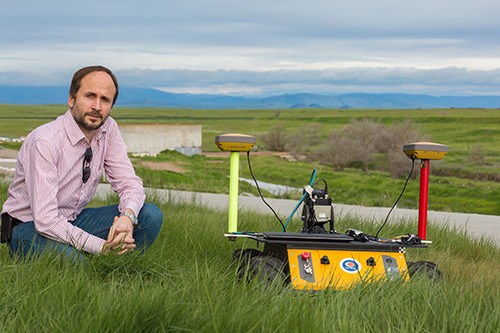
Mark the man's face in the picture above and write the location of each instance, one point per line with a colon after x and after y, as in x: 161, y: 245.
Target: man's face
x: 93, y: 102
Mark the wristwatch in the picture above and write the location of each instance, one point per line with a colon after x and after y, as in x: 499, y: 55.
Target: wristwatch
x: 132, y: 217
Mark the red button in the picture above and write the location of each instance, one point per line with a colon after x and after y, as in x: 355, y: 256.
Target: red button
x: 306, y: 255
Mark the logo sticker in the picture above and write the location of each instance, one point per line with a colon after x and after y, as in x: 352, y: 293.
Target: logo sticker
x: 350, y: 265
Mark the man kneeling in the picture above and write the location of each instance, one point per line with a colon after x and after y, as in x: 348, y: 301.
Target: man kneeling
x: 57, y: 173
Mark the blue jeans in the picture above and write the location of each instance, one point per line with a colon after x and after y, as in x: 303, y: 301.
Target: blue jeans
x: 26, y: 242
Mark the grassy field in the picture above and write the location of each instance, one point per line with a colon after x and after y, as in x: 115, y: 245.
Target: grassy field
x: 466, y: 180
x: 460, y: 129
x: 187, y: 281
x: 350, y: 186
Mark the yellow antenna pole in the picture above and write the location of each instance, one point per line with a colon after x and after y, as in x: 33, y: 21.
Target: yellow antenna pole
x: 235, y: 143
x: 233, y: 192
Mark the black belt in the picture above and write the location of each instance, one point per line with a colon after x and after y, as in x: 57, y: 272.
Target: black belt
x: 8, y: 223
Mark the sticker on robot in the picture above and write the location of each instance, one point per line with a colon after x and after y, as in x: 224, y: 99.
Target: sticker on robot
x: 350, y: 265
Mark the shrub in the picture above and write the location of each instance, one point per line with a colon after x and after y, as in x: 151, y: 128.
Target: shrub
x: 477, y: 155
x: 275, y: 139
x: 363, y: 142
x: 303, y: 141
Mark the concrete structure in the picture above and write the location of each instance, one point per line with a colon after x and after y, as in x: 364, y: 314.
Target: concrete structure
x: 8, y: 159
x: 152, y: 139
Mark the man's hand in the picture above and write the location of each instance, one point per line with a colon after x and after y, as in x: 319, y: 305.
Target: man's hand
x: 120, y: 236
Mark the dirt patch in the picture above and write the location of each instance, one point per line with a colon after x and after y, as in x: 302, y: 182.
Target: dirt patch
x: 286, y: 155
x: 169, y: 166
x: 258, y: 153
x: 293, y: 158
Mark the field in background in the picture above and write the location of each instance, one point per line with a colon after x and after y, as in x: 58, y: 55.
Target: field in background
x: 460, y: 129
x: 350, y: 186
x: 468, y: 175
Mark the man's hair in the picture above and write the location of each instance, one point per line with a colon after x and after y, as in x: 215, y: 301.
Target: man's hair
x: 81, y: 73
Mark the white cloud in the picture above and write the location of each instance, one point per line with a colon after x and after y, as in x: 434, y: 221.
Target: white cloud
x: 214, y: 90
x: 223, y: 45
x: 445, y: 81
x: 330, y: 81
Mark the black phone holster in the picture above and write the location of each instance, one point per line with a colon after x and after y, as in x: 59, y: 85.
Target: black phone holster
x: 8, y: 223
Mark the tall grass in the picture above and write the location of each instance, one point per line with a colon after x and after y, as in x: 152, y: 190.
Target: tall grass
x: 187, y: 281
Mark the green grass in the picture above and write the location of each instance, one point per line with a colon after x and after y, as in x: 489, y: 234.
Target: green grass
x: 187, y: 281
x: 350, y: 186
x: 461, y: 182
x: 461, y: 129
x: 458, y: 128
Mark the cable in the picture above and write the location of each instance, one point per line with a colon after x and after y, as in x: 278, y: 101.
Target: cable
x: 294, y: 210
x: 403, y: 191
x: 321, y: 179
x: 324, y: 181
x: 313, y: 176
x: 258, y: 189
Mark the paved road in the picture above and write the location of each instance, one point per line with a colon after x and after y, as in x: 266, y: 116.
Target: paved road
x: 476, y: 225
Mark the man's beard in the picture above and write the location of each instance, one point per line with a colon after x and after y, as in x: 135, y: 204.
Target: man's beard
x: 88, y: 125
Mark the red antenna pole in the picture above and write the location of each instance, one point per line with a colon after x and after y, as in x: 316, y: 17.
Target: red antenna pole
x: 424, y: 191
x: 424, y: 151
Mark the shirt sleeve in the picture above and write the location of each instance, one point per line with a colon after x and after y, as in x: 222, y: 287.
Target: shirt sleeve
x: 120, y: 173
x: 42, y: 180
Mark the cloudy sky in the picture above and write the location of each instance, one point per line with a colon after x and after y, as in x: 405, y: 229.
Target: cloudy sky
x: 261, y: 47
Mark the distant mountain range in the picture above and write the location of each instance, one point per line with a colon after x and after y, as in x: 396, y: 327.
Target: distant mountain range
x: 144, y: 97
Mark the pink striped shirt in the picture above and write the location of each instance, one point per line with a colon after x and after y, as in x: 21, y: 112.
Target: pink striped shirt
x: 48, y: 187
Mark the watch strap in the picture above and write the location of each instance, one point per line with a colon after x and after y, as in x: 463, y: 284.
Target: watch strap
x: 132, y: 217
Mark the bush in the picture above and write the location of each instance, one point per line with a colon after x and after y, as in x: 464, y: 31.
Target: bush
x: 363, y: 142
x: 477, y: 155
x: 275, y: 139
x: 303, y: 141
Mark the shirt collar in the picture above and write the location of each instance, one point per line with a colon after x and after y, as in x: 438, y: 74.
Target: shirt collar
x: 74, y: 132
